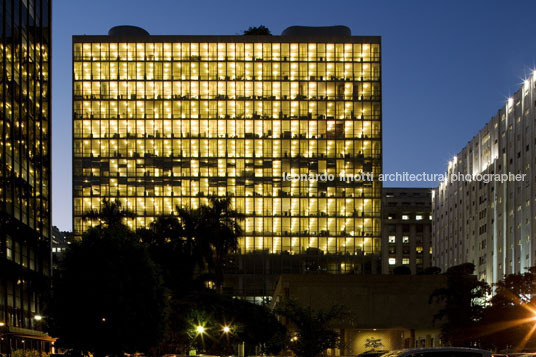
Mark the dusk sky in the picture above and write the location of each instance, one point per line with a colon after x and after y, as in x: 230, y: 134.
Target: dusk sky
x: 447, y: 66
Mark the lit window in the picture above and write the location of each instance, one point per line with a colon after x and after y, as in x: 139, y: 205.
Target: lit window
x: 392, y: 261
x: 405, y: 261
x: 419, y: 249
x: 9, y: 248
x: 418, y: 217
x: 392, y: 239
x: 405, y: 239
x: 405, y: 217
x: 430, y: 217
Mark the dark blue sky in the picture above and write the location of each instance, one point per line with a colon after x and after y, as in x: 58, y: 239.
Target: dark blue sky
x: 448, y: 66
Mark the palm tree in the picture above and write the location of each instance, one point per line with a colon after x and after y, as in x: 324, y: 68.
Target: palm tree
x: 223, y: 232
x: 110, y: 214
x: 312, y: 332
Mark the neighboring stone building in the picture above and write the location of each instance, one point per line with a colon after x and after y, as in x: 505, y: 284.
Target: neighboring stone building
x: 393, y: 308
x: 60, y: 242
x: 406, y: 229
x: 488, y: 222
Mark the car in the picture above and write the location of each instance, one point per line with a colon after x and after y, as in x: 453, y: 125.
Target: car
x: 440, y: 352
x: 372, y: 353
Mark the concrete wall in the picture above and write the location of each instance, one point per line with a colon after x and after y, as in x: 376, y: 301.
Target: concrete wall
x: 394, y: 308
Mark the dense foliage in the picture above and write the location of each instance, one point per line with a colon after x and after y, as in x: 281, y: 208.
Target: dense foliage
x: 259, y: 30
x: 106, y: 294
x: 120, y: 291
x: 310, y: 331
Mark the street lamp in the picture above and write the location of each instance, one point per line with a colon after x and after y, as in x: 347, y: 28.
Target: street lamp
x: 226, y: 329
x: 38, y: 317
x: 200, y: 329
x: 2, y: 323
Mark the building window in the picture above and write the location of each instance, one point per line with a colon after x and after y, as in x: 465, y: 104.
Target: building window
x: 392, y: 261
x: 419, y: 250
x: 9, y: 248
x: 418, y: 217
x: 405, y: 217
x: 392, y: 239
x: 405, y: 239
x: 405, y: 261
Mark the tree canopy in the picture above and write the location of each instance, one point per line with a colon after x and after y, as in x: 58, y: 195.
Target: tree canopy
x: 310, y: 330
x: 259, y: 30
x: 107, y: 293
x: 508, y: 321
x: 121, y: 291
x: 463, y: 305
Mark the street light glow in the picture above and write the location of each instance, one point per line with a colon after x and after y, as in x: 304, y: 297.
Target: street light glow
x: 200, y: 329
x: 226, y: 329
x: 2, y: 323
x: 38, y: 317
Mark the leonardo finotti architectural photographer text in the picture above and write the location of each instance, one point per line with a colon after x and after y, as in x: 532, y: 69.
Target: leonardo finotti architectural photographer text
x: 407, y: 177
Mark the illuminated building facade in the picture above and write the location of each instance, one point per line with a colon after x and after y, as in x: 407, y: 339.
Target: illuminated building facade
x: 166, y: 121
x: 25, y: 254
x: 407, y: 229
x: 491, y: 224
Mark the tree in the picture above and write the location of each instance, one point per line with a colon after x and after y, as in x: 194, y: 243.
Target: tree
x: 432, y: 271
x: 260, y: 30
x: 223, y: 229
x: 108, y: 297
x: 214, y: 311
x: 508, y: 321
x: 311, y: 333
x: 110, y: 214
x: 402, y: 270
x: 171, y: 248
x: 464, y: 302
x: 196, y: 242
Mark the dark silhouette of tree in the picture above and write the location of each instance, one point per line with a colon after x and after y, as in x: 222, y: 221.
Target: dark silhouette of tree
x: 510, y: 316
x: 402, y: 270
x: 214, y: 311
x: 432, y: 271
x: 197, y: 242
x: 223, y: 231
x: 108, y: 297
x: 310, y: 332
x: 260, y: 30
x: 110, y: 214
x: 463, y: 305
x: 169, y: 248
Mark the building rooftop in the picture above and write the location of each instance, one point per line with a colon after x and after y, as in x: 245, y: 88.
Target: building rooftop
x: 336, y: 34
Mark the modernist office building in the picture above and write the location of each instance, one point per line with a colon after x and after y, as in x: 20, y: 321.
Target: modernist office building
x: 24, y: 172
x: 406, y: 229
x: 166, y: 121
x: 492, y: 225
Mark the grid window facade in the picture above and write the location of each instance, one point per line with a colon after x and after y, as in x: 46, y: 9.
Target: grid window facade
x: 24, y: 162
x: 167, y: 121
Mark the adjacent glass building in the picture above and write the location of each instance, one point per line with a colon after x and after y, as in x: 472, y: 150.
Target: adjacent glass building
x: 166, y: 121
x: 25, y: 253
